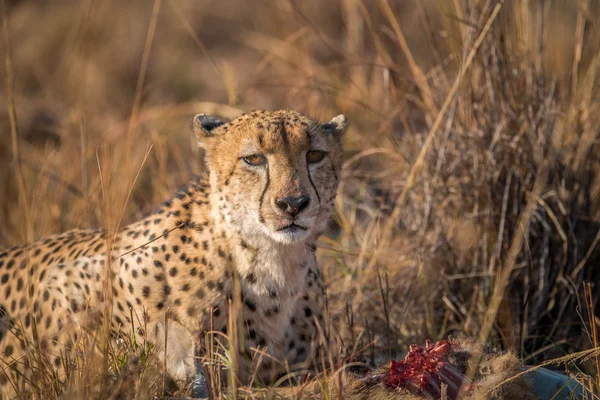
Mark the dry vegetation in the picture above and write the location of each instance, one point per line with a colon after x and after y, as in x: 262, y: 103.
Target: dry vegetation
x: 471, y: 192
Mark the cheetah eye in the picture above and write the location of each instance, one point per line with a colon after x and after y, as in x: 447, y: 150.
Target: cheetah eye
x: 315, y: 156
x: 255, y: 160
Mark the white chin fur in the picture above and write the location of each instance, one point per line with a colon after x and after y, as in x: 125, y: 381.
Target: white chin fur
x: 255, y: 229
x: 287, y: 237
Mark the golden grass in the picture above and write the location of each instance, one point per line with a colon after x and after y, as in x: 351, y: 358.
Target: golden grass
x: 470, y: 200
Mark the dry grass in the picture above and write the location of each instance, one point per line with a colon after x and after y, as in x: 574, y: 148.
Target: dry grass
x: 471, y: 197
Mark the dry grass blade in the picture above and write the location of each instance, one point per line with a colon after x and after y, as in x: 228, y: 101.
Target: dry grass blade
x: 504, y: 274
x: 587, y: 256
x: 392, y: 221
x: 12, y: 116
x: 122, y: 213
x: 193, y: 35
x: 139, y: 87
x: 418, y: 75
x: 589, y: 303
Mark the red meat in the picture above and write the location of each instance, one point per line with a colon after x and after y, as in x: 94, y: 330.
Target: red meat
x: 424, y: 370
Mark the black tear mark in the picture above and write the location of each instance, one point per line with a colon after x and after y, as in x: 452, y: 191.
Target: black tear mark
x: 313, y: 185
x: 311, y: 181
x: 262, y: 195
x: 334, y: 171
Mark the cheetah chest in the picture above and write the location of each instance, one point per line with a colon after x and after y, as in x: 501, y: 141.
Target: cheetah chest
x: 271, y: 288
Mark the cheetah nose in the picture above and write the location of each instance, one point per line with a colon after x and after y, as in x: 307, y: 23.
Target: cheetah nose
x: 292, y: 205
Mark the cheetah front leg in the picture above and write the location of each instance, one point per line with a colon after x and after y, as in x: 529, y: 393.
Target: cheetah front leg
x: 178, y: 347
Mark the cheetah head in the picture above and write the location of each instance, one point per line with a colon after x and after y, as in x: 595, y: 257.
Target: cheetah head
x: 273, y: 174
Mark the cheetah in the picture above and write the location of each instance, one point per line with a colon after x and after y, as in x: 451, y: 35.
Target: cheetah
x: 249, y: 226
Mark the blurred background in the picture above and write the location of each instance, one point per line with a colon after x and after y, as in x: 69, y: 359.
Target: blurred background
x: 470, y: 200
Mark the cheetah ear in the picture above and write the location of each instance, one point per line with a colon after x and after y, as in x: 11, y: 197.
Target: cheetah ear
x: 337, y: 125
x: 203, y: 126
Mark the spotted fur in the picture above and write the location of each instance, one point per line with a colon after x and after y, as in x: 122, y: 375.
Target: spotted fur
x: 182, y: 260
